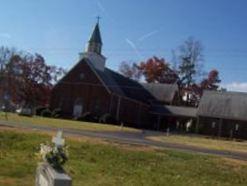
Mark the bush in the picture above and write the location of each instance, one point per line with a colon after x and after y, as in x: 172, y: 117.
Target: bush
x: 38, y: 110
x: 107, y: 119
x: 56, y: 113
x: 88, y: 117
x: 46, y: 113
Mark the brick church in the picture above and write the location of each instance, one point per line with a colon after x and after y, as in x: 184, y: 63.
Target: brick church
x: 92, y: 87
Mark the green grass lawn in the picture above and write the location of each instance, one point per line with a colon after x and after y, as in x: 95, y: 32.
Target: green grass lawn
x: 193, y: 140
x: 203, y: 142
x: 61, y: 123
x: 105, y: 164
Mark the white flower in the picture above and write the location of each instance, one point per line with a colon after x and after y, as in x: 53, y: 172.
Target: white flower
x: 44, y: 150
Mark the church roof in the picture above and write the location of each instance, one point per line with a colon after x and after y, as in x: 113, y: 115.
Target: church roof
x: 123, y: 86
x: 96, y: 36
x: 168, y: 110
x: 162, y: 92
x: 227, y: 105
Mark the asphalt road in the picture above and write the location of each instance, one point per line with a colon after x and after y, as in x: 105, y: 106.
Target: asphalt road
x: 132, y: 138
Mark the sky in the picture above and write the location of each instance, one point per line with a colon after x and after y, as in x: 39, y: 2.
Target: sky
x: 132, y: 30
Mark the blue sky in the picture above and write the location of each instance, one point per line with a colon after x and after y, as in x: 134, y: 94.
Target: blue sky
x: 132, y: 30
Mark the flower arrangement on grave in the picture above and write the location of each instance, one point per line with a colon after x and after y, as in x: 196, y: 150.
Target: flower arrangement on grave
x: 56, y: 155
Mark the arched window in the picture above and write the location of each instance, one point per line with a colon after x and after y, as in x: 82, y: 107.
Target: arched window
x: 213, y: 124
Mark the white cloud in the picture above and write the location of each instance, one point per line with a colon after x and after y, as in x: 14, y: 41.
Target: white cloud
x: 5, y: 35
x: 236, y: 86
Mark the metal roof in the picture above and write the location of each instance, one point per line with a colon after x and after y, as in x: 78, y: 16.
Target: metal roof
x: 168, y: 110
x: 228, y: 105
x: 162, y: 92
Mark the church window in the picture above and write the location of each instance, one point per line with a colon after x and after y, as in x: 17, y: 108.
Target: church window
x: 236, y: 127
x: 81, y: 76
x: 213, y: 125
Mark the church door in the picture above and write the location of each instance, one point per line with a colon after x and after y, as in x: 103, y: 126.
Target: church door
x: 78, y: 108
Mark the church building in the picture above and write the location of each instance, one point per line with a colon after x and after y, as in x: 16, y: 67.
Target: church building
x: 91, y: 87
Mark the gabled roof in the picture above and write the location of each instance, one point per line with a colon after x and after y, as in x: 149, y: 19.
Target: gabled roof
x: 118, y: 84
x: 96, y: 36
x: 128, y: 87
x: 227, y: 105
x: 162, y: 92
x: 167, y: 110
x: 123, y: 86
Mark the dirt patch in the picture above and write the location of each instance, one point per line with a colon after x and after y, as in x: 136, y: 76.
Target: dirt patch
x: 7, y: 181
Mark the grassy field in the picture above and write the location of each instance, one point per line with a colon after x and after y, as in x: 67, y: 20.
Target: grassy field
x: 94, y: 163
x: 192, y: 140
x: 60, y: 123
x: 203, y: 142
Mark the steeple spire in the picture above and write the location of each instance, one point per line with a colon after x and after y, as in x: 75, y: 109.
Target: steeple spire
x: 93, y: 49
x: 95, y: 41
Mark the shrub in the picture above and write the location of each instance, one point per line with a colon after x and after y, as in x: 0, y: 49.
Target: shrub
x: 46, y: 113
x: 39, y: 109
x: 107, y: 118
x: 56, y: 113
x: 87, y: 116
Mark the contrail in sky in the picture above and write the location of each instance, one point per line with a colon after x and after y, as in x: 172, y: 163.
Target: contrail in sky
x: 148, y: 35
x: 132, y: 44
x: 101, y: 7
x: 104, y: 11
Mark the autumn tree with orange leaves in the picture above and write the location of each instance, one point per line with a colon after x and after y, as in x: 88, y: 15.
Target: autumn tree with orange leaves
x: 153, y: 70
x: 26, y: 79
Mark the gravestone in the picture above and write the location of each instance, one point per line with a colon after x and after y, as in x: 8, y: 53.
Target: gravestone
x: 47, y: 174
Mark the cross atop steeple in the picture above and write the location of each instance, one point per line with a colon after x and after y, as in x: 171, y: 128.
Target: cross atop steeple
x: 98, y: 18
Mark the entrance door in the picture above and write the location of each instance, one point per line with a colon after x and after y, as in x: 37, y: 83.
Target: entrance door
x: 78, y: 108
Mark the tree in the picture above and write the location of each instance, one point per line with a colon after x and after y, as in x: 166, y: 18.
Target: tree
x: 154, y: 70
x: 28, y: 80
x: 212, y: 81
x: 5, y: 55
x: 190, y: 58
x: 157, y: 70
x: 195, y: 91
x: 130, y: 70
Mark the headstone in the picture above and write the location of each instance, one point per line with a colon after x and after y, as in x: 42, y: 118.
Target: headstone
x: 48, y: 176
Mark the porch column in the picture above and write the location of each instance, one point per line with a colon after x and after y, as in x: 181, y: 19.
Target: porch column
x: 220, y: 127
x: 158, y: 124
x: 118, y: 108
x: 139, y: 115
x: 197, y: 124
x: 110, y: 106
